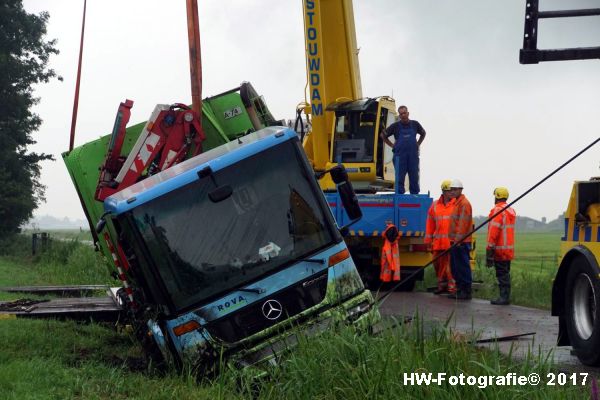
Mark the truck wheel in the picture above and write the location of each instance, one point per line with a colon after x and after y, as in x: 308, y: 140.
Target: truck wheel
x: 583, y: 311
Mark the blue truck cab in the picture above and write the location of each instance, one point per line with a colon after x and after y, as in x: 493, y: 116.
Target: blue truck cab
x: 235, y: 250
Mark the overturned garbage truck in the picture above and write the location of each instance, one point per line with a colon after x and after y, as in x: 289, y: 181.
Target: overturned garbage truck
x: 224, y: 243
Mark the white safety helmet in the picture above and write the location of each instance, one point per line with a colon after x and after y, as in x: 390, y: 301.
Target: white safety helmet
x: 456, y: 184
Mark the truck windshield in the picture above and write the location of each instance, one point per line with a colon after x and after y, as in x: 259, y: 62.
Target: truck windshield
x: 202, y: 249
x: 354, y: 137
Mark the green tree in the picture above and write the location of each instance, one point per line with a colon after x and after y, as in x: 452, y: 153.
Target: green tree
x: 24, y: 55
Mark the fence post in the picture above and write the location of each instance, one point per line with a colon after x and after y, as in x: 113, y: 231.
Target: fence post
x: 39, y: 242
x: 33, y: 243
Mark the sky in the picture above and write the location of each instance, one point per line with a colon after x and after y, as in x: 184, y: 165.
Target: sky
x: 489, y: 120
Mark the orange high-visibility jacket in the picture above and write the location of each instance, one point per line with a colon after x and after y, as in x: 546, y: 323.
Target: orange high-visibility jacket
x: 501, y: 233
x: 461, y: 222
x: 437, y: 227
x: 390, y: 259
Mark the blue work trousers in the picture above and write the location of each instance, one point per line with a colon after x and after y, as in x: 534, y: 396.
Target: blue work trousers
x: 407, y: 161
x: 460, y: 265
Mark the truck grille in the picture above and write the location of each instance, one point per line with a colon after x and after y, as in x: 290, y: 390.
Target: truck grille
x: 270, y: 311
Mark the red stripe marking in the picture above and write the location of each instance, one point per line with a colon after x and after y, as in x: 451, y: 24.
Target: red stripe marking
x: 376, y: 204
x: 409, y: 205
x: 122, y: 257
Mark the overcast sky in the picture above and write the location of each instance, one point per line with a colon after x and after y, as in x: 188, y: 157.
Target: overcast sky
x: 489, y: 120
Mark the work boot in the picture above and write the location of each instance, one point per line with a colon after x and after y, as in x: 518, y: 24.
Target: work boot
x: 468, y: 294
x: 503, y: 299
x: 440, y: 290
x: 461, y: 294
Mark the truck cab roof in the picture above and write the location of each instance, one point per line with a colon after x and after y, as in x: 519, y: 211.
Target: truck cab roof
x: 187, y: 171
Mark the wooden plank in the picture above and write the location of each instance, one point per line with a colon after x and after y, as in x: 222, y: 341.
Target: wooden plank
x: 84, y: 308
x: 68, y: 290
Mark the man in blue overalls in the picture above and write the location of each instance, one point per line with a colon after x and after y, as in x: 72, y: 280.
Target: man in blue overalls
x: 406, y: 149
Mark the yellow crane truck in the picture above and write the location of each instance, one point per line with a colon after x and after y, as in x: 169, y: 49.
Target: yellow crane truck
x: 345, y: 130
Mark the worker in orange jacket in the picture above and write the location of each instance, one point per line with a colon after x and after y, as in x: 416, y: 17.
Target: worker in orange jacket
x: 500, y: 248
x: 437, y: 239
x: 461, y: 224
x: 390, y: 255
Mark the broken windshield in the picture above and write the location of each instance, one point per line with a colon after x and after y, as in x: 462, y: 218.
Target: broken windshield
x: 200, y: 248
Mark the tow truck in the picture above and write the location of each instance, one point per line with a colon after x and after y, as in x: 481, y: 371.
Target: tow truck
x: 576, y: 288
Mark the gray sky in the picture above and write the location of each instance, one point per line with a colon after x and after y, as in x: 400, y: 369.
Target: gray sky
x: 489, y: 120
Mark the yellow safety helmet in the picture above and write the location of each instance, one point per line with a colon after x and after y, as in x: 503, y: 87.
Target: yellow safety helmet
x: 501, y: 193
x: 446, y: 184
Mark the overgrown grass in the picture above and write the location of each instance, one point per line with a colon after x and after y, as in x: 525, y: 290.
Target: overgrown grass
x: 532, y: 270
x: 57, y: 360
x: 347, y: 365
x: 65, y: 360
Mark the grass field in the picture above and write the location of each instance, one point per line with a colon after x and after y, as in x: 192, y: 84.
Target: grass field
x: 46, y: 359
x: 65, y: 261
x: 74, y: 234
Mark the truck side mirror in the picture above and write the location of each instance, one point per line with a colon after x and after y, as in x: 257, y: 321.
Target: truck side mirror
x: 346, y: 192
x: 339, y: 174
x: 349, y: 200
x: 100, y: 225
x: 101, y: 222
x: 220, y: 193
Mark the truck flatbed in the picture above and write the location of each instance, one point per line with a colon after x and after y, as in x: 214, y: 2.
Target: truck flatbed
x: 407, y: 211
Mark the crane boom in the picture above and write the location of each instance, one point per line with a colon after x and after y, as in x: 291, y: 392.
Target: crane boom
x: 332, y: 68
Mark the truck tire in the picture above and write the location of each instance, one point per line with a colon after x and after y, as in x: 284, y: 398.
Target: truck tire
x: 582, y: 311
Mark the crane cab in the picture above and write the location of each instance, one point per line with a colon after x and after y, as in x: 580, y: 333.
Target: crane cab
x: 355, y: 143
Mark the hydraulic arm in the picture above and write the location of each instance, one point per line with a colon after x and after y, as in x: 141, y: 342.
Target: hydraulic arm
x: 168, y: 136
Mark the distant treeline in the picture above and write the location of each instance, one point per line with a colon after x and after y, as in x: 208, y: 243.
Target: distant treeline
x: 50, y: 222
x: 530, y: 224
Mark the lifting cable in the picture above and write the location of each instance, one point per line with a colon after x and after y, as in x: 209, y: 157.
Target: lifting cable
x: 382, y: 298
x: 77, y: 81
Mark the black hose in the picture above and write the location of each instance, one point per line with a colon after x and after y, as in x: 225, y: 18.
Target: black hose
x: 382, y: 298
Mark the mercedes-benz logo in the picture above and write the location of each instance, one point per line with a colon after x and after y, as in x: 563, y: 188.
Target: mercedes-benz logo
x: 272, y: 309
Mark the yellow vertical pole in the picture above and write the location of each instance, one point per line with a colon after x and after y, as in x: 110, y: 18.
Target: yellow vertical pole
x: 331, y: 66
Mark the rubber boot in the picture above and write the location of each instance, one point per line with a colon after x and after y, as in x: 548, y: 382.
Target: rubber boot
x: 440, y: 290
x: 468, y: 294
x: 503, y: 299
x: 454, y: 296
x: 461, y: 294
